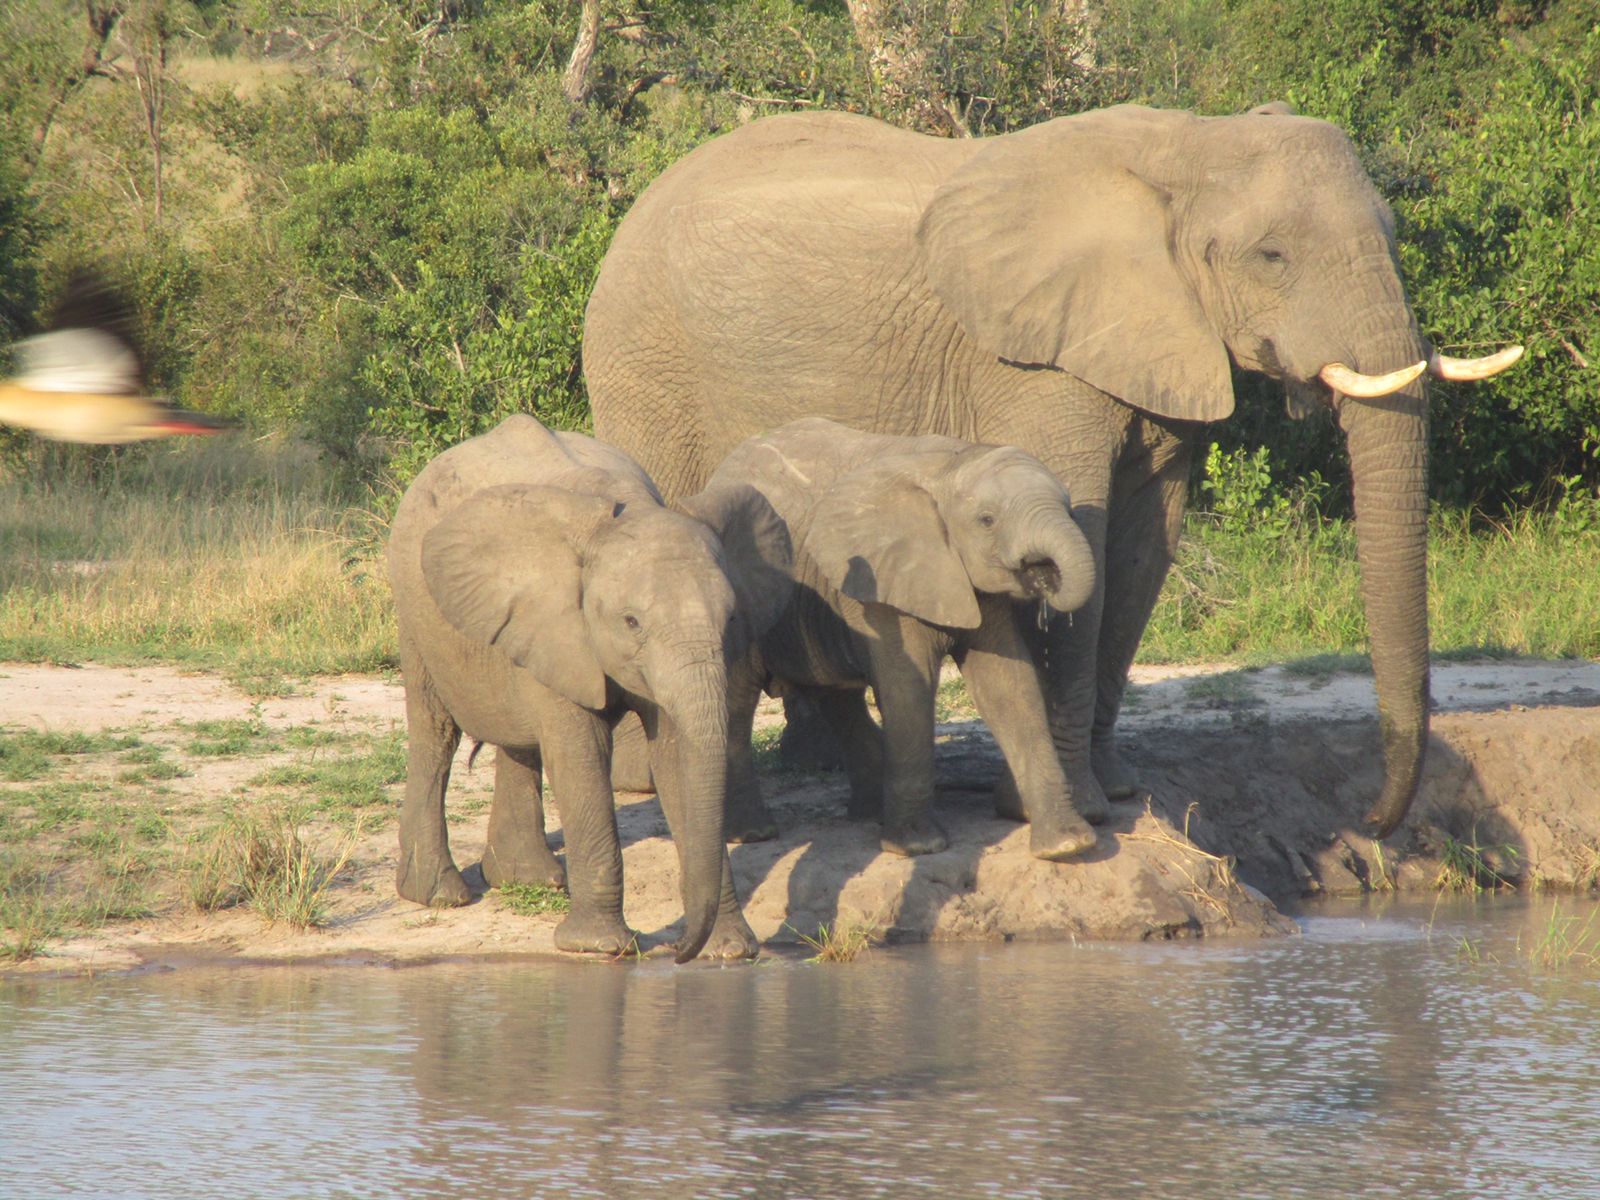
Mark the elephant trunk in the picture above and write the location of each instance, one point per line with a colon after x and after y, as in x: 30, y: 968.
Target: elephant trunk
x: 1053, y: 558
x: 1387, y: 439
x: 695, y: 708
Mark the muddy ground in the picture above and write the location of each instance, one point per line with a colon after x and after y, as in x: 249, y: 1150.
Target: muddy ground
x: 1256, y: 782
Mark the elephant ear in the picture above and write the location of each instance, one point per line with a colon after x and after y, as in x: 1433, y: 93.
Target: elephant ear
x: 1053, y: 247
x: 878, y: 537
x: 755, y: 546
x: 504, y: 569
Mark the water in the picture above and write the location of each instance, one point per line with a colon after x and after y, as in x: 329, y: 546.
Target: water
x: 1371, y: 1053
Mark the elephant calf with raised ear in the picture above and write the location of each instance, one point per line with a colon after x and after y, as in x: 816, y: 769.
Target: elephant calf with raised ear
x: 543, y: 591
x: 908, y: 550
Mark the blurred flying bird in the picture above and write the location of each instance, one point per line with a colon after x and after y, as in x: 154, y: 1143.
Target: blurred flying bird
x: 82, y: 381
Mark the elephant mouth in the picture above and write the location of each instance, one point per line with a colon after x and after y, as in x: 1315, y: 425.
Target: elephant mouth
x: 1040, y: 578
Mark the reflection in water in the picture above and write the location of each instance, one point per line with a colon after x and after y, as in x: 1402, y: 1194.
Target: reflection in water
x: 1367, y: 1054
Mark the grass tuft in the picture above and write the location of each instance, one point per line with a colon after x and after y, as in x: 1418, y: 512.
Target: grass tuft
x: 534, y: 899
x: 263, y: 860
x: 1567, y: 942
x: 841, y: 942
x: 1467, y: 866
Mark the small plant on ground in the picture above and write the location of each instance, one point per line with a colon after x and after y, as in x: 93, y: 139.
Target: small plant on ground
x: 843, y: 941
x: 534, y: 899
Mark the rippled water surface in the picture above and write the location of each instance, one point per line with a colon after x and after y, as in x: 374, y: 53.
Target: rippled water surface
x: 1378, y: 1052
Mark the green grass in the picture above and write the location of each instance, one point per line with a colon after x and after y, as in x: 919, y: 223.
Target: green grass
x: 31, y: 754
x: 1523, y: 586
x: 245, y: 557
x: 1567, y: 942
x: 952, y: 702
x: 534, y: 899
x: 115, y: 841
x: 228, y: 738
x: 347, y: 782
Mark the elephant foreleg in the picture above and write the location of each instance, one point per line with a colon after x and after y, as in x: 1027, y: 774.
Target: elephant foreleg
x: 517, y: 851
x: 999, y: 670
x: 427, y: 874
x: 1079, y: 433
x: 1146, y: 519
x: 576, y: 747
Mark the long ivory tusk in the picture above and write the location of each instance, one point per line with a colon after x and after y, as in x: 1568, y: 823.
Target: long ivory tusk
x: 1343, y: 380
x: 1353, y: 383
x: 1442, y: 366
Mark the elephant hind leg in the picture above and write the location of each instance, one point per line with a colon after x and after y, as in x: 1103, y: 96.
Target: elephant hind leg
x: 861, y: 740
x: 427, y: 874
x: 1145, y: 521
x: 747, y: 818
x: 517, y: 851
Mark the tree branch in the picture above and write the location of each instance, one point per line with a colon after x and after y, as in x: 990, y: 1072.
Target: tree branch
x: 575, y: 83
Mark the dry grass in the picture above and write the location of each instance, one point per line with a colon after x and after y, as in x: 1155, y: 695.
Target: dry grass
x: 236, y: 555
x: 1220, y: 884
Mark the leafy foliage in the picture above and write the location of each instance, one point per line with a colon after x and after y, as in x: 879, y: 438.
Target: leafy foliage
x: 379, y: 222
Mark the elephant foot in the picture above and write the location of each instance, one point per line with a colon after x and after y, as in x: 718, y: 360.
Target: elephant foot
x: 923, y: 835
x: 1061, y: 839
x: 750, y: 821
x: 433, y: 885
x: 731, y: 939
x: 1089, y: 798
x: 594, y: 933
x: 1117, y: 779
x: 528, y: 866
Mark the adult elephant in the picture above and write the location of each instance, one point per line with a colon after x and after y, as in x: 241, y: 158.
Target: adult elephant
x: 1075, y: 289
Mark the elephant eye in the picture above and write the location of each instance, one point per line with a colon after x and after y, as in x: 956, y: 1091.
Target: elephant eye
x: 632, y: 622
x: 1272, y: 254
x: 986, y: 520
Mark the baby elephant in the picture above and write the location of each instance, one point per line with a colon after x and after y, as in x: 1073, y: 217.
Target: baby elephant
x: 542, y: 591
x: 906, y: 550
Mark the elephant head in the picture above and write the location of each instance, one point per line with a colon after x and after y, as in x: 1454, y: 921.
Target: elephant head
x: 578, y: 590
x: 924, y: 531
x: 1139, y: 249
